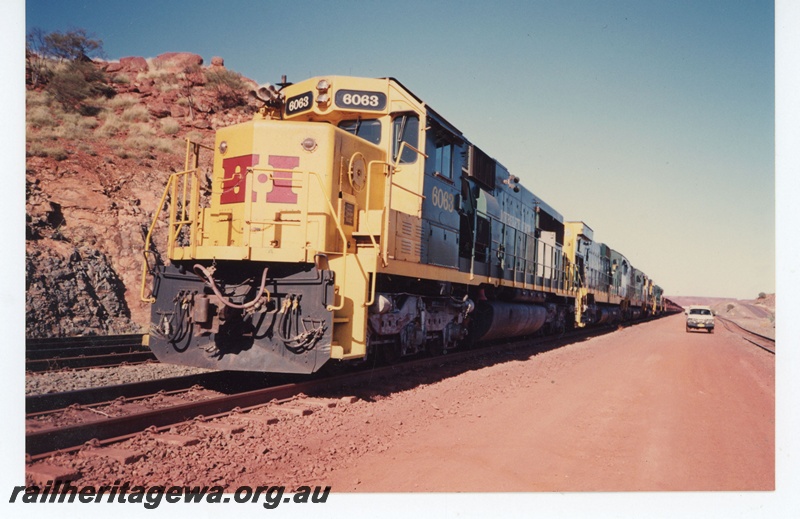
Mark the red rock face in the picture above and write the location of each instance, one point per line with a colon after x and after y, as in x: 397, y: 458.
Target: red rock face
x: 87, y: 206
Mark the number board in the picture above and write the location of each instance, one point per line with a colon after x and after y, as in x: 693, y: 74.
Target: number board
x: 360, y: 99
x: 300, y: 103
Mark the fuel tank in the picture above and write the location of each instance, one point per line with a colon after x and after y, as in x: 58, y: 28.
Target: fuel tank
x: 499, y: 320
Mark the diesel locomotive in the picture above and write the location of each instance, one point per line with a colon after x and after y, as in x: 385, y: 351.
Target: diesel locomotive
x: 348, y: 219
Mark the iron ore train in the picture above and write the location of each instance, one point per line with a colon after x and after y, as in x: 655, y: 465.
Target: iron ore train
x: 348, y: 220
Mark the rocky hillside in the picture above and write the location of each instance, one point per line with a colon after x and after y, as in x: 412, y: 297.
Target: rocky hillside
x: 94, y: 177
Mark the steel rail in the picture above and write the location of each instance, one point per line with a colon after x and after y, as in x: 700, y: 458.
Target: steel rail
x: 82, y: 351
x: 83, y: 341
x: 220, y: 381
x: 88, y: 361
x: 37, y: 404
x: 726, y: 322
x: 73, y: 436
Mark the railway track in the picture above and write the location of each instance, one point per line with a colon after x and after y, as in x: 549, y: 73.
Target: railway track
x: 85, y: 352
x: 43, y: 442
x: 46, y: 402
x: 762, y: 341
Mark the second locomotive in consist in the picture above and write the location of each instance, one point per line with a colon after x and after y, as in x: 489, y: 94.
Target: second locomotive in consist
x: 348, y: 219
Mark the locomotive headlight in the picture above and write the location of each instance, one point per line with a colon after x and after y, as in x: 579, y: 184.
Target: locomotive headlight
x: 223, y: 147
x: 323, y: 86
x: 309, y: 144
x: 323, y: 97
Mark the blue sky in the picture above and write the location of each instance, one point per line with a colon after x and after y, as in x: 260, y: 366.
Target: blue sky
x: 650, y: 121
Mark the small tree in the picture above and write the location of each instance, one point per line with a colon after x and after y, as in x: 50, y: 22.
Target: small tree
x: 230, y: 88
x: 76, y: 84
x: 74, y: 45
x: 190, y: 77
x: 762, y: 295
x: 75, y: 79
x: 37, y: 67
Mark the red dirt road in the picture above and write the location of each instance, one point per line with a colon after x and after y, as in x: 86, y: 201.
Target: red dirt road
x: 650, y: 407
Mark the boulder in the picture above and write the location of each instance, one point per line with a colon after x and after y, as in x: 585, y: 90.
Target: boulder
x: 134, y: 64
x: 179, y: 60
x: 113, y: 67
x: 159, y: 109
x: 178, y: 111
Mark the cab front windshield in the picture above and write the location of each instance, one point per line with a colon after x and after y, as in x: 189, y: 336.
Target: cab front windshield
x: 367, y: 129
x: 699, y: 311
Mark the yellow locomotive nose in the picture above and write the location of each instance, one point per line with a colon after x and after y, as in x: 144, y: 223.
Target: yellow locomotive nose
x: 259, y: 266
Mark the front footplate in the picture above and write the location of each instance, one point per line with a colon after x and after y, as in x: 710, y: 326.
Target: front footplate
x: 245, y: 317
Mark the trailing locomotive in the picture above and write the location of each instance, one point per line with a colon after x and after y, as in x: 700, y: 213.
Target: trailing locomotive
x: 348, y: 219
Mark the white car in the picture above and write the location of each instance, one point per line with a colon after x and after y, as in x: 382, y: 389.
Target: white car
x: 700, y: 318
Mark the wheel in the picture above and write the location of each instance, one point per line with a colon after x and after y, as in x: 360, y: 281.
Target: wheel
x: 389, y: 353
x: 711, y: 330
x: 435, y: 347
x: 687, y: 329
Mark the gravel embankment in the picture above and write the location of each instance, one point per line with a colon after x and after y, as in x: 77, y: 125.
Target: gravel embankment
x: 58, y: 381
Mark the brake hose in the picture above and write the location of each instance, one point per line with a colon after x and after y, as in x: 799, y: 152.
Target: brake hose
x: 208, y: 278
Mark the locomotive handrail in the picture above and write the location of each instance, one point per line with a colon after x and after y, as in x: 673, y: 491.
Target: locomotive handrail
x: 400, y: 152
x: 394, y: 168
x: 391, y: 169
x: 169, y: 190
x: 368, y: 208
x: 384, y: 209
x: 193, y: 154
x: 191, y: 167
x: 340, y: 229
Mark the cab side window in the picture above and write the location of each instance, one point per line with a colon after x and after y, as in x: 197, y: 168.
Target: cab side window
x: 405, y: 128
x: 443, y: 153
x: 443, y: 159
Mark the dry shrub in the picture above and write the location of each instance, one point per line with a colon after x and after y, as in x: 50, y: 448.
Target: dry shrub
x: 112, y: 126
x: 167, y: 145
x: 139, y: 142
x: 170, y: 126
x: 136, y: 113
x: 122, y: 102
x: 228, y: 86
x: 40, y: 117
x: 141, y: 130
x: 38, y: 149
x: 120, y: 79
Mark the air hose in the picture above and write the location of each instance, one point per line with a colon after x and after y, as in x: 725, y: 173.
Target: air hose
x: 207, y: 275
